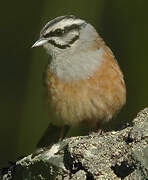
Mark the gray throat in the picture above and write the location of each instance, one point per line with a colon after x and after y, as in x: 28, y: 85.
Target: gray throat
x: 76, y: 66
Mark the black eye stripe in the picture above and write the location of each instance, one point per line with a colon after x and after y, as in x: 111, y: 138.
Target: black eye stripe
x: 73, y: 26
x: 60, y: 32
x: 57, y: 33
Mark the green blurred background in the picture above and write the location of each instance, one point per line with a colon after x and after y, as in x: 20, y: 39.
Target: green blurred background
x: 123, y: 25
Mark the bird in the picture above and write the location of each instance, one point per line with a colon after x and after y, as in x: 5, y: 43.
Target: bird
x: 83, y: 80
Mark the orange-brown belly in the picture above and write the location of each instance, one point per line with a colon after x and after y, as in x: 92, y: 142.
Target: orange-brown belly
x: 98, y: 97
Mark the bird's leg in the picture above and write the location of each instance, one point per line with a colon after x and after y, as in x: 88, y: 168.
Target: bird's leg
x: 63, y: 132
x: 99, y: 130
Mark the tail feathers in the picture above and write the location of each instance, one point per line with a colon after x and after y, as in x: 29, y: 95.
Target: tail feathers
x: 52, y: 135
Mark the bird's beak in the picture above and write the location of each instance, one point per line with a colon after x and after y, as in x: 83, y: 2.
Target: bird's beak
x: 40, y: 42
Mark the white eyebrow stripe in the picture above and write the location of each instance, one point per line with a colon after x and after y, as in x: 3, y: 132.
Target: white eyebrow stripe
x: 67, y: 22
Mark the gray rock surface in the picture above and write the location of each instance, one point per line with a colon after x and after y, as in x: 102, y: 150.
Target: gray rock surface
x: 112, y: 155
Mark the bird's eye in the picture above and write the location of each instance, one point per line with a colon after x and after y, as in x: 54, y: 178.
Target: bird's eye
x: 46, y: 35
x: 58, y: 32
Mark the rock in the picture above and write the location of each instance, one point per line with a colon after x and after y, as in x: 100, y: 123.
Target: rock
x: 112, y: 155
